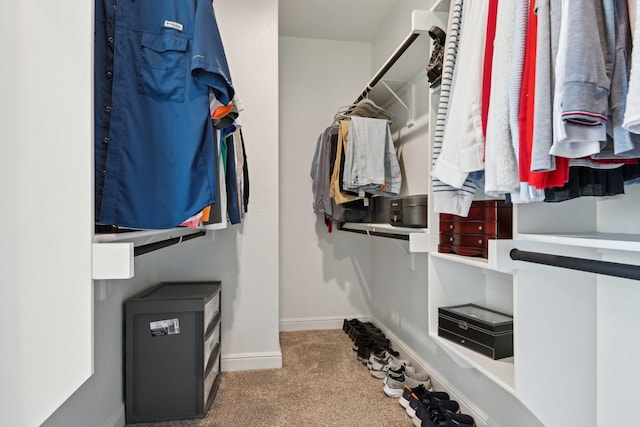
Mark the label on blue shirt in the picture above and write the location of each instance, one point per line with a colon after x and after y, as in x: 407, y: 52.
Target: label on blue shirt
x: 175, y: 25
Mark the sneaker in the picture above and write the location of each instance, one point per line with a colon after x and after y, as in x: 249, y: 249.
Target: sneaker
x: 408, y: 391
x: 393, y: 369
x: 434, y: 413
x: 452, y: 420
x: 365, y: 351
x: 428, y: 398
x: 382, y: 374
x: 394, y: 385
x: 459, y: 420
x: 378, y: 360
x: 348, y: 325
x: 371, y: 340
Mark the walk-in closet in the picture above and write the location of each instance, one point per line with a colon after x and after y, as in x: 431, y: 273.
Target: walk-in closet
x: 563, y: 272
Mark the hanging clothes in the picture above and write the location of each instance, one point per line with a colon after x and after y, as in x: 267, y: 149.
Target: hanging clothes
x: 245, y: 179
x: 322, y: 168
x: 337, y: 191
x: 448, y: 199
x: 492, y: 18
x: 463, y: 142
x: 231, y: 177
x: 501, y: 165
x: 632, y: 113
x: 621, y: 143
x: 371, y: 163
x: 545, y: 170
x: 154, y: 66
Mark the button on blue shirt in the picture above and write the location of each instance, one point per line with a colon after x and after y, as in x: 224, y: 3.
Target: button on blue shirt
x: 155, y: 63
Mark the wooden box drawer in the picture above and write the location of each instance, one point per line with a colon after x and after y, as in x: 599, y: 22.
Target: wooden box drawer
x: 470, y: 227
x: 464, y: 244
x: 484, y: 210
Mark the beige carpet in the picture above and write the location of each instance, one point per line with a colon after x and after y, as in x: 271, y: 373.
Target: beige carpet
x: 321, y: 383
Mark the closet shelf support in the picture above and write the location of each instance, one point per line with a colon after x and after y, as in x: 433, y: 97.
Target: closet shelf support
x: 150, y: 247
x: 376, y: 233
x: 419, y: 25
x: 114, y: 260
x: 395, y: 95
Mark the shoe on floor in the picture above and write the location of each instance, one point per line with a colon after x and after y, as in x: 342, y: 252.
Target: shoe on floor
x: 407, y: 391
x: 394, y: 385
x: 459, y: 420
x: 396, y: 371
x: 427, y: 399
x: 378, y: 361
x: 452, y: 420
x: 435, y: 412
x: 384, y: 372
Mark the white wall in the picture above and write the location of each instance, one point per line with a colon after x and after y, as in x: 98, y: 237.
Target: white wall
x: 396, y: 27
x: 46, y: 195
x: 100, y: 401
x: 245, y: 257
x: 324, y: 276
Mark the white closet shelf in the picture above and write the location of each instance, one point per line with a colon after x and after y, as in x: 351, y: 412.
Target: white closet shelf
x: 461, y: 259
x: 418, y: 237
x: 498, y: 260
x: 615, y: 241
x: 113, y: 253
x: 150, y: 235
x: 500, y: 371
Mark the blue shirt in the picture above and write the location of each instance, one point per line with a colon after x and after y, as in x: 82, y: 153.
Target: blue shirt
x: 155, y: 63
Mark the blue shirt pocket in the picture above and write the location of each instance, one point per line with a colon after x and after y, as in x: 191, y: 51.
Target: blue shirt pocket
x: 162, y: 68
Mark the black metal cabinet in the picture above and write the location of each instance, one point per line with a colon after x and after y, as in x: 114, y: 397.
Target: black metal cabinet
x: 172, y: 351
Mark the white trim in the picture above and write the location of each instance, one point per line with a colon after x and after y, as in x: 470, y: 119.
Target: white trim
x: 117, y: 418
x: 250, y: 361
x: 315, y: 323
x: 437, y: 380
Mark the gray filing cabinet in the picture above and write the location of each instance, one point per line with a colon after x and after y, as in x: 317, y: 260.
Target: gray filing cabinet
x: 172, y: 351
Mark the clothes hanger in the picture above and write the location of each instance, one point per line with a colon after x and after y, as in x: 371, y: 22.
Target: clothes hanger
x: 347, y: 111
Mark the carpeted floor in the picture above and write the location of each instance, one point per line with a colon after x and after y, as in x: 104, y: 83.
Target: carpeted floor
x: 321, y: 383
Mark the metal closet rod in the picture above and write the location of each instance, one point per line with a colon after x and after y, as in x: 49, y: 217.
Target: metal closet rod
x: 387, y: 65
x: 627, y: 271
x: 376, y: 233
x: 150, y: 247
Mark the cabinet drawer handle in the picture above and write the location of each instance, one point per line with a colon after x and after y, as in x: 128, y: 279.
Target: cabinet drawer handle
x: 480, y: 227
x: 463, y: 325
x: 479, y: 242
x: 451, y: 239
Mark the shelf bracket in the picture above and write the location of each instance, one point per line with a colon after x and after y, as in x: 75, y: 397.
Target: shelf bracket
x: 112, y: 261
x: 395, y: 95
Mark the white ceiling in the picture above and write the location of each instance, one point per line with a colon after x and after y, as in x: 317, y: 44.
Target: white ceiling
x: 346, y: 20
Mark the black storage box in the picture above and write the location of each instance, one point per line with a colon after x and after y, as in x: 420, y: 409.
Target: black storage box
x: 409, y: 211
x: 486, y: 331
x: 172, y: 351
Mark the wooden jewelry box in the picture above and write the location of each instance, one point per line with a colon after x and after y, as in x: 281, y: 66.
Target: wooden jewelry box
x: 487, y: 219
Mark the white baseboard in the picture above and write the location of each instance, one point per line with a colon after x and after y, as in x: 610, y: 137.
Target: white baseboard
x: 250, y: 361
x: 437, y: 380
x: 117, y: 418
x: 315, y: 323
